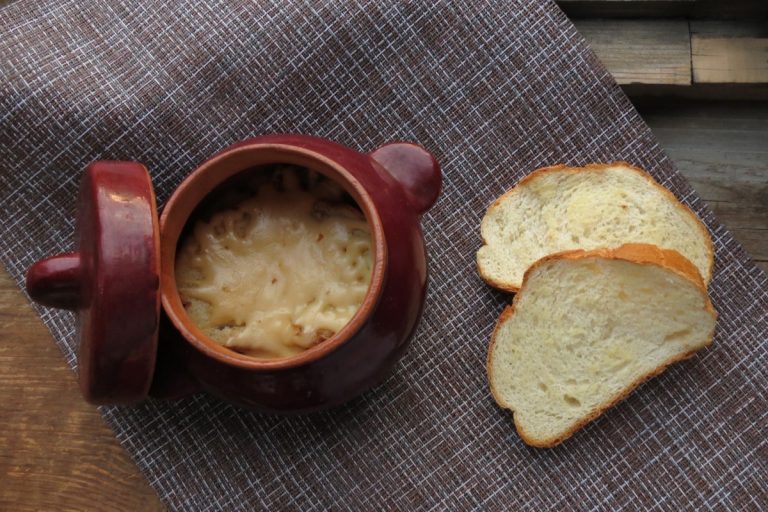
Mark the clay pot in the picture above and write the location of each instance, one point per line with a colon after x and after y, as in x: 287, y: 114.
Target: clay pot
x: 123, y: 270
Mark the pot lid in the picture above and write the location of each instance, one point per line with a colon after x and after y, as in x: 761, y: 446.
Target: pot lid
x: 111, y: 281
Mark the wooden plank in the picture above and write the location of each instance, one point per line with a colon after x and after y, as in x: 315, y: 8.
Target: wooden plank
x: 730, y: 60
x: 56, y: 452
x: 730, y: 29
x: 754, y: 238
x: 729, y: 52
x: 722, y: 149
x: 638, y: 52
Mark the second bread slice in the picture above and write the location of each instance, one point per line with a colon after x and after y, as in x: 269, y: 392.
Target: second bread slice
x: 564, y: 208
x: 586, y: 328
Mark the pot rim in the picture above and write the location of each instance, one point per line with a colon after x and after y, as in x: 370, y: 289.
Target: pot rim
x: 296, y: 155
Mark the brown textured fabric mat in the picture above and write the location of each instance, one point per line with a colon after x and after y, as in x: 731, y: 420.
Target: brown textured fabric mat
x: 494, y: 89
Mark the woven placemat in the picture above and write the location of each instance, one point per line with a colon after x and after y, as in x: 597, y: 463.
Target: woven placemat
x: 494, y: 89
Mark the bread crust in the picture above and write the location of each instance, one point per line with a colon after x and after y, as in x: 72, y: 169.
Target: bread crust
x: 509, y: 287
x: 644, y: 254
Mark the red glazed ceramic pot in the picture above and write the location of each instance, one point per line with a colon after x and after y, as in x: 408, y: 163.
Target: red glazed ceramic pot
x: 120, y: 355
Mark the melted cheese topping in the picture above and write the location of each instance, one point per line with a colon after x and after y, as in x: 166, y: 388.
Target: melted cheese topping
x: 277, y: 273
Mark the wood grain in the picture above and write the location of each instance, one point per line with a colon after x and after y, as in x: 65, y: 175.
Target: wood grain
x: 641, y: 52
x: 722, y: 149
x: 729, y: 52
x: 56, y: 453
x: 664, y: 53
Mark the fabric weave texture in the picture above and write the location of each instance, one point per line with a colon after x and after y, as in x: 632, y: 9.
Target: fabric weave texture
x: 494, y: 90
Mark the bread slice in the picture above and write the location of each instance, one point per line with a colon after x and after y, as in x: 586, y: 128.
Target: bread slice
x: 563, y: 208
x: 588, y: 327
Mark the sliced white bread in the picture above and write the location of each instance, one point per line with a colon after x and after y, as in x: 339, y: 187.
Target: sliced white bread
x: 562, y: 208
x: 588, y: 327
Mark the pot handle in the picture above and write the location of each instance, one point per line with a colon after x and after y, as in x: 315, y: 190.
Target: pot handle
x: 415, y: 169
x: 56, y: 281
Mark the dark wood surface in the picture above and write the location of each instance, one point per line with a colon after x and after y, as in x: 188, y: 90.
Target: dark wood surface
x: 722, y: 148
x: 701, y: 9
x: 638, y: 51
x: 680, y: 52
x: 56, y: 453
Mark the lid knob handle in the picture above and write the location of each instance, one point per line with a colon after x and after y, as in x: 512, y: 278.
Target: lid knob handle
x: 56, y: 281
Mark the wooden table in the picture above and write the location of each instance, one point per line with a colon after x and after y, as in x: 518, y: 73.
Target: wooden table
x: 56, y: 453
